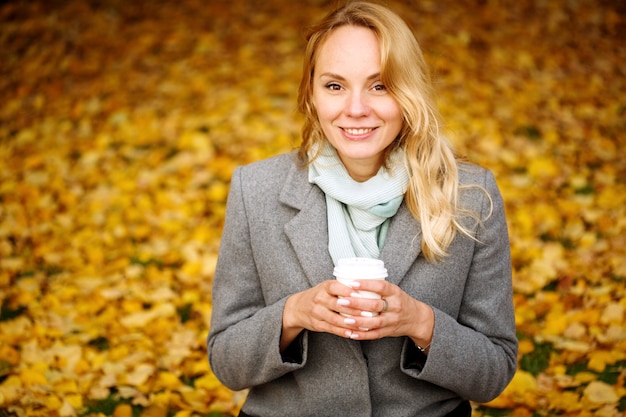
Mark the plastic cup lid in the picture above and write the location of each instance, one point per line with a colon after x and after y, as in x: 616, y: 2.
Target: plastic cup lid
x: 360, y: 268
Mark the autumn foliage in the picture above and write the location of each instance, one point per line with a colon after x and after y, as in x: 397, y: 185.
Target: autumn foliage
x: 121, y: 122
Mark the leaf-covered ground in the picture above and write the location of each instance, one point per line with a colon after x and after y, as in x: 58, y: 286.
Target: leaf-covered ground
x: 121, y: 122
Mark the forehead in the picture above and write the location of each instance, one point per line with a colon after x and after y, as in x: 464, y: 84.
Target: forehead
x: 349, y: 46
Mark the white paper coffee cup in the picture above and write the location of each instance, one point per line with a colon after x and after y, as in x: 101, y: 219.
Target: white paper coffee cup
x: 351, y: 269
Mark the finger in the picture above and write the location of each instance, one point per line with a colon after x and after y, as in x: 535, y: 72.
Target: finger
x: 328, y: 292
x: 329, y: 322
x: 378, y: 286
x: 338, y: 323
x: 359, y: 306
x: 361, y: 334
x: 337, y: 288
x: 325, y: 327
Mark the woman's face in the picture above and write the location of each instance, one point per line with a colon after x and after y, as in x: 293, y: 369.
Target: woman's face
x: 358, y: 115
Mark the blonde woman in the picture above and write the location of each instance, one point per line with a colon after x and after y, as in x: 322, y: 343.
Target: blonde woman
x: 373, y: 178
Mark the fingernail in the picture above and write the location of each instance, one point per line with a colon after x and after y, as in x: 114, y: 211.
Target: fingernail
x: 368, y: 314
x: 354, y: 336
x: 343, y: 302
x: 348, y: 333
x: 355, y: 295
x: 349, y: 321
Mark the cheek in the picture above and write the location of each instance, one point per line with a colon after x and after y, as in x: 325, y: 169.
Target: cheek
x: 327, y: 108
x: 392, y: 109
x: 393, y: 115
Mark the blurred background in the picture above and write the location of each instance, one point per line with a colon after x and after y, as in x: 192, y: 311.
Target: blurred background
x: 122, y: 121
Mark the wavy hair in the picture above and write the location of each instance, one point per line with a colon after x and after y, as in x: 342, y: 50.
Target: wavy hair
x: 433, y: 191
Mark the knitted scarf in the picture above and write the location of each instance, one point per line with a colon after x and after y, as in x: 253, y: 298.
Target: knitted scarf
x: 358, y: 212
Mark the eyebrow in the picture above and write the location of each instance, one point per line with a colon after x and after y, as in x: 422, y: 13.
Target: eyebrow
x: 341, y: 78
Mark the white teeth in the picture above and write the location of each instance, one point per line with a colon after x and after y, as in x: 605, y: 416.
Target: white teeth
x: 358, y: 131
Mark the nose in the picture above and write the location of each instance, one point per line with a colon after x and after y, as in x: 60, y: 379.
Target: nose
x: 356, y: 105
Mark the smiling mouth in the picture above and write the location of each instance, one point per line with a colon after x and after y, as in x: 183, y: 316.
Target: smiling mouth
x: 358, y: 132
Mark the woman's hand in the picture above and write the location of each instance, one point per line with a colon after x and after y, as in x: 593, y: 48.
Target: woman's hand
x: 317, y: 309
x: 399, y: 314
x: 333, y: 307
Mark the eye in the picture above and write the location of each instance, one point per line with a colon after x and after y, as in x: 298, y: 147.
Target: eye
x: 333, y: 86
x: 379, y: 87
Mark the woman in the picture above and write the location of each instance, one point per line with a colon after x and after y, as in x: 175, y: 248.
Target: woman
x: 373, y: 178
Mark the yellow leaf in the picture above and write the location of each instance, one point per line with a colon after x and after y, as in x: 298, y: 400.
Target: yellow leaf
x: 75, y: 400
x: 196, y: 398
x: 123, y: 410
x: 599, y: 392
x: 599, y: 359
x: 52, y: 402
x: 585, y: 377
x: 142, y: 318
x: 32, y: 377
x: 154, y: 411
x: 11, y: 264
x: 140, y: 374
x: 208, y: 382
x: 68, y: 409
x: 556, y: 323
x: 218, y: 191
x: 167, y: 381
x: 526, y: 346
x: 521, y: 390
x: 10, y: 392
x: 575, y: 330
x: 8, y: 353
x: 543, y: 167
x: 66, y: 386
x: 568, y: 401
x: 183, y: 413
x: 613, y: 313
x: 196, y: 141
x: 163, y: 398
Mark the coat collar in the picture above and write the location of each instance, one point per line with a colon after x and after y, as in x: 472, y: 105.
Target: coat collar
x: 308, y: 231
x: 402, y: 245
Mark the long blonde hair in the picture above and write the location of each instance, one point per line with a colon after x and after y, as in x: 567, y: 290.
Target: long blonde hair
x: 433, y: 190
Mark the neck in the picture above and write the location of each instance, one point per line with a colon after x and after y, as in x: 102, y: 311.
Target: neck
x: 361, y: 172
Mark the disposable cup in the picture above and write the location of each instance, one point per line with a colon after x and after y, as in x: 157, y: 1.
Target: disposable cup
x: 351, y: 269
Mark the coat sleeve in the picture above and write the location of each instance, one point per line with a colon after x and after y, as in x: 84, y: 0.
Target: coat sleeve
x: 243, y: 342
x: 475, y: 354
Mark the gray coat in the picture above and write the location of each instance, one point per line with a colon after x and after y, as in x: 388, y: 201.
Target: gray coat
x: 275, y: 243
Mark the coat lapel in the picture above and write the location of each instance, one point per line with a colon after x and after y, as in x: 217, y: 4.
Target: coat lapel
x: 402, y: 244
x: 308, y: 229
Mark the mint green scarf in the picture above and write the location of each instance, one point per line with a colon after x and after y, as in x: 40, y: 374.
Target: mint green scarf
x: 358, y: 212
